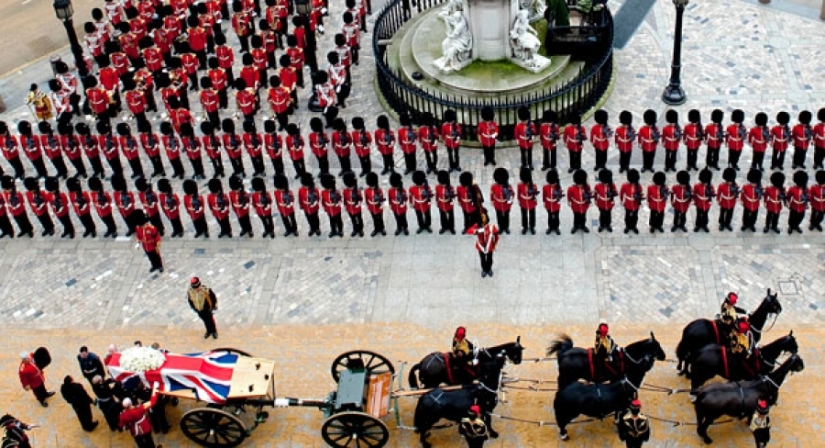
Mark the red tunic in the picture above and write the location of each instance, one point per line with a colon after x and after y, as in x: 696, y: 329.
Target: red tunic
x: 819, y: 135
x: 15, y: 202
x: 649, y: 138
x: 549, y: 136
x: 758, y: 138
x: 31, y: 147
x: 226, y: 57
x: 295, y: 146
x: 420, y: 197
x: 465, y: 200
x: 331, y: 200
x: 148, y: 237
x: 657, y: 198
x: 136, y: 100
x: 218, y: 78
x: 71, y: 146
x: 406, y: 138
x: 172, y: 146
x: 600, y: 137
x: 262, y: 202
x: 218, y: 205
x: 524, y: 133
x: 451, y: 133
x: 692, y: 136
x: 502, y: 197
x: 624, y: 138
x: 98, y: 99
x: 60, y: 203
x: 9, y: 144
x: 285, y: 201
x: 773, y: 199
x: 362, y: 140
x: 246, y: 101
x: 527, y: 196
x: 631, y: 196
x: 240, y: 203
x: 212, y: 144
x: 726, y: 195
x: 802, y: 135
x: 444, y: 197
x: 352, y: 200
x: 136, y: 419
x: 341, y: 143
x: 31, y: 377
x: 750, y: 197
x: 816, y: 194
x: 278, y: 98
x: 374, y: 198
x: 797, y: 199
x: 319, y: 144
x: 671, y: 136
x: 488, y: 133
x: 551, y: 195
x: 428, y: 136
x: 130, y: 146
x: 578, y: 196
x: 51, y: 145
x: 38, y: 202
x: 209, y: 100
x: 574, y: 137
x: 714, y: 135
x: 125, y: 202
x: 253, y: 143
x: 398, y: 200
x: 150, y: 202
x: 273, y: 143
x: 170, y: 204
x: 194, y: 206
x: 780, y: 138
x: 385, y: 140
x: 233, y: 144
x: 309, y: 200
x: 736, y: 137
x: 703, y: 196
x: 110, y: 146
x: 150, y: 144
x: 680, y: 198
x: 487, y: 238
x: 605, y: 196
x: 103, y: 203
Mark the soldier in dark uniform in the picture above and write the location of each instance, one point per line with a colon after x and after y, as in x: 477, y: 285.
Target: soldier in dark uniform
x: 106, y: 392
x: 760, y: 424
x: 203, y: 300
x: 473, y: 428
x: 634, y: 427
x: 14, y: 432
x: 603, y: 349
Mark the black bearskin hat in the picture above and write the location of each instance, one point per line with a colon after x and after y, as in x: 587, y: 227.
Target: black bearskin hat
x: 52, y: 184
x: 419, y: 178
x: 633, y: 176
x: 141, y: 184
x: 737, y: 116
x: 800, y: 178
x: 754, y: 176
x: 580, y: 177
x: 280, y: 182
x: 190, y: 186
x: 443, y: 177
x: 526, y: 175
x: 659, y: 178
x: 215, y: 186
x: 258, y: 184
x: 705, y: 176
x: 31, y: 184
x: 523, y: 113
x: 73, y: 185
x: 649, y: 117
x: 778, y: 179
x: 729, y: 174
x: 552, y: 177
x: 118, y: 183
x: 372, y: 179
x: 164, y: 186
x: 683, y: 177
x: 625, y: 117
x: 694, y: 116
x: 396, y: 180
x: 328, y: 181
x: 606, y: 176
x: 805, y: 117
x: 316, y: 124
x: 466, y: 179
x: 783, y: 117
x: 350, y: 179
x: 235, y: 183
x: 671, y: 116
x: 717, y: 116
x: 487, y: 113
x: 307, y: 180
x: 761, y: 119
x: 501, y: 176
x: 601, y: 116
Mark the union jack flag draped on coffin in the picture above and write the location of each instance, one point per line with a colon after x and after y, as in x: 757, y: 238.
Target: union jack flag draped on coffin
x: 208, y: 374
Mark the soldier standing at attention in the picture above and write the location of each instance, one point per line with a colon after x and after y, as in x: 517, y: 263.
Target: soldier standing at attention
x: 751, y: 197
x: 631, y: 198
x: 203, y: 301
x: 671, y: 138
x: 502, y: 195
x: 473, y: 428
x: 551, y: 195
x: 374, y: 198
x: 703, y: 194
x: 549, y: 137
x: 817, y: 196
x: 714, y: 136
x: 579, y: 197
x: 761, y: 424
x: 310, y: 200
x: 524, y: 133
x: 421, y: 199
x: 487, y: 135
x: 148, y: 237
x: 444, y: 197
x: 649, y: 140
x: 657, y: 202
x: 736, y: 136
x: 398, y: 203
x: 634, y: 427
x: 487, y: 239
x: 624, y: 138
x: 680, y: 198
x: 774, y: 197
x: 780, y: 136
x: 726, y: 194
x: 285, y: 201
x: 600, y: 135
x: 692, y: 137
x: 797, y: 201
x: 527, y: 201
x: 605, y: 192
x: 574, y: 137
x: 352, y: 203
x: 451, y: 133
x: 758, y: 137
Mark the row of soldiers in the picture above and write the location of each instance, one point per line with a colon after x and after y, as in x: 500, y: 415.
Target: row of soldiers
x: 780, y: 138
x: 177, y: 139
x: 420, y: 197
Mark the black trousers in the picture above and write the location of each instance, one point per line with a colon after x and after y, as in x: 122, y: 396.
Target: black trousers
x: 777, y: 159
x: 772, y: 221
x: 97, y: 167
x: 670, y: 160
x: 680, y: 220
x: 300, y: 167
x: 246, y: 225
x: 197, y: 166
x: 799, y: 156
x: 157, y: 166
x: 346, y: 164
x: 208, y: 320
x: 471, y: 219
x: 389, y: 163
x: 323, y: 164
x: 733, y: 158
x: 601, y: 159
x: 268, y: 224
x: 109, y: 222
x: 47, y: 223
x: 277, y: 165
x: 816, y: 219
x: 526, y: 157
x: 237, y: 166
x: 486, y: 261
x: 40, y: 167
x: 116, y: 165
x: 60, y: 165
x: 154, y: 259
x: 177, y: 226
x: 749, y: 218
x: 692, y: 157
x: 579, y: 220
x: 819, y: 157
x: 631, y: 219
x: 41, y: 393
x: 633, y: 443
x: 757, y: 160
x: 314, y: 222
x: 200, y: 226
x: 624, y: 161
x: 648, y: 158
x: 432, y: 161
x: 137, y: 168
x: 528, y: 219
x: 6, y: 227
x: 725, y: 216
x: 701, y: 219
x: 366, y: 165
x: 84, y: 415
x: 575, y: 160
x: 129, y: 224
x: 409, y: 162
x: 23, y: 224
x: 226, y: 227
x: 447, y: 220
x: 553, y: 221
x: 656, y: 220
x: 795, y: 219
x: 712, y: 157
x: 145, y: 441
x: 377, y: 222
x: 401, y: 221
x: 454, y: 159
x: 79, y: 167
x: 290, y: 224
x: 605, y: 219
x: 336, y: 225
x: 19, y: 170
x: 549, y: 156
x: 88, y: 223
x: 425, y: 220
x: 503, y: 220
x: 357, y: 223
x: 177, y: 168
x: 490, y: 155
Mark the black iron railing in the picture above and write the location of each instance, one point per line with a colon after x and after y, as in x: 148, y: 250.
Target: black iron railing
x: 575, y: 97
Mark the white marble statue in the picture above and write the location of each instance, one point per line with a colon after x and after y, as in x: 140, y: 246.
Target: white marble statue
x: 525, y: 43
x: 535, y: 9
x: 457, y: 46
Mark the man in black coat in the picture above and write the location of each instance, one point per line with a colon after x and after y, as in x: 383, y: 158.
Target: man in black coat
x: 81, y: 402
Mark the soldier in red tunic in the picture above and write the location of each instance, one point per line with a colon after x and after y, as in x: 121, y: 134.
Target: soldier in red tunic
x: 758, y: 137
x: 703, y: 194
x: 631, y: 197
x: 751, y: 197
x: 274, y: 145
x: 353, y: 198
x: 600, y: 135
x: 671, y: 138
x: 136, y: 419
x: 374, y: 198
x: 319, y: 144
x: 173, y: 147
x: 548, y: 138
x: 73, y: 148
x: 551, y: 195
x: 502, y: 196
x: 444, y: 198
x: 451, y: 134
x: 421, y: 196
x: 6, y: 229
x: 254, y: 145
x: 279, y: 101
x: 32, y: 378
x: 60, y: 205
x: 220, y: 81
x: 149, y: 238
x: 470, y: 200
x: 103, y: 206
x: 125, y: 202
x: 151, y: 204
x: 150, y: 143
x: 625, y: 137
x: 406, y: 139
x: 486, y: 241
x: 210, y: 101
x: 385, y: 140
x: 605, y: 194
x: 680, y: 198
x: 32, y: 148
x: 649, y: 137
x: 428, y: 136
x: 331, y: 200
x: 488, y: 134
x: 527, y: 201
x: 657, y: 202
x: 285, y: 201
x: 819, y: 140
x: 362, y: 141
x: 131, y: 149
x: 310, y: 200
x: 10, y: 148
x: 246, y: 100
x: 327, y: 97
x: 579, y: 197
x: 797, y: 201
x: 262, y: 202
x: 295, y: 146
x: 525, y: 133
x: 736, y: 136
x: 239, y: 199
x: 726, y: 195
x: 693, y: 136
x: 398, y: 203
x: 15, y: 204
x: 780, y: 137
x: 53, y: 148
x: 219, y: 205
x: 816, y: 194
x: 212, y: 144
x: 38, y: 201
x: 233, y: 144
x: 170, y: 204
x: 802, y: 135
x: 574, y: 138
x: 714, y: 136
x: 774, y: 197
x: 193, y: 147
x: 342, y: 145
x: 196, y: 206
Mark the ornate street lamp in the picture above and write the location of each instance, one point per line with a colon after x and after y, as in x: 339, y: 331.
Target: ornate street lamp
x: 64, y: 11
x: 674, y: 94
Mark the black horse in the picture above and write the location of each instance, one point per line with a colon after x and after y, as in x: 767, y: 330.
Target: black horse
x: 702, y: 332
x: 598, y: 400
x: 454, y: 404
x: 575, y: 363
x: 432, y: 370
x: 710, y: 361
x: 738, y: 399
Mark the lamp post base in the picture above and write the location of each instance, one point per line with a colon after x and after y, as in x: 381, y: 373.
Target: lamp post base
x: 674, y: 95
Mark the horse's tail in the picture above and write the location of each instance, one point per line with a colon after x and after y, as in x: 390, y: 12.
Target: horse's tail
x: 560, y: 345
x: 413, y: 376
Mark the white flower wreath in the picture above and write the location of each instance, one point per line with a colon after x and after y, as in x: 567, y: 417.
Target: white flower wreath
x: 141, y: 359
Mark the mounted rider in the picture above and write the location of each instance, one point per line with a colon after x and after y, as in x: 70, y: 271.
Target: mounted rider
x: 603, y: 349
x: 462, y: 348
x: 742, y: 345
x: 729, y: 312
